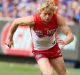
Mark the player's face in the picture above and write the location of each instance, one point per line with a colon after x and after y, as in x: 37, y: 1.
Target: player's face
x: 46, y: 15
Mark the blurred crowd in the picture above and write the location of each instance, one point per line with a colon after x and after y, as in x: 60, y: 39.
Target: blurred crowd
x: 70, y: 9
x: 18, y: 8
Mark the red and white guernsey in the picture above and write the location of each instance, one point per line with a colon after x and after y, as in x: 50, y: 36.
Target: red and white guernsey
x: 43, y: 34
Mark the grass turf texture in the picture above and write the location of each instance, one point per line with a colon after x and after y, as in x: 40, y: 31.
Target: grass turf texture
x: 10, y: 68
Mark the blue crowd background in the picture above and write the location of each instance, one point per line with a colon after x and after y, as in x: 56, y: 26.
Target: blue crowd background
x: 70, y: 9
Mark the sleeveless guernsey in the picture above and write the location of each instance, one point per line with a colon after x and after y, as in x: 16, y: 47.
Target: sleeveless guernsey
x: 43, y: 35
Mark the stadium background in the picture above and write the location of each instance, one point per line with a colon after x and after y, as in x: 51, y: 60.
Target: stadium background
x: 21, y: 53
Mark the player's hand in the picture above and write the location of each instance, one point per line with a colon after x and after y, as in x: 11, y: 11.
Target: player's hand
x: 61, y: 42
x: 9, y: 43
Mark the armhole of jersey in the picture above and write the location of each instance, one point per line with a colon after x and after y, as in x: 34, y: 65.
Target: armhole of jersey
x: 56, y: 15
x: 57, y: 20
x: 32, y: 22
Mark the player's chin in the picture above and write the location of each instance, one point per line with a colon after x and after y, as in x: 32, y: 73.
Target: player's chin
x: 47, y: 21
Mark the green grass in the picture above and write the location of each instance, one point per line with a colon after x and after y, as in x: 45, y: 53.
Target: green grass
x: 10, y: 68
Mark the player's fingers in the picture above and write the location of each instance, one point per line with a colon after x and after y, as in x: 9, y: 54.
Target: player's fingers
x: 9, y: 45
x: 61, y: 42
x: 61, y: 46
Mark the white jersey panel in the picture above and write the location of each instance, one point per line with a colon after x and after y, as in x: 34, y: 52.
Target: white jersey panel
x: 42, y: 43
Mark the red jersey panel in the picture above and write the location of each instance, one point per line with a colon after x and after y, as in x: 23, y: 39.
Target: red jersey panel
x: 43, y: 35
x: 42, y: 29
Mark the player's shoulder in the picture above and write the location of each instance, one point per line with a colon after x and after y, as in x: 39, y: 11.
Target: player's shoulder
x: 30, y: 20
x: 31, y: 17
x: 60, y: 17
x: 60, y: 20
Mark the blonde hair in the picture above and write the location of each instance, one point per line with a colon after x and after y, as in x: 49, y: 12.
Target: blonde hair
x: 48, y: 4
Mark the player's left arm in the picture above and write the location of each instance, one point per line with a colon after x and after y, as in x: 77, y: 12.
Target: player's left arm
x: 66, y: 30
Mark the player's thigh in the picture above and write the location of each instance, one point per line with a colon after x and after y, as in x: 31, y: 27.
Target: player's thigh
x: 45, y: 66
x: 59, y: 65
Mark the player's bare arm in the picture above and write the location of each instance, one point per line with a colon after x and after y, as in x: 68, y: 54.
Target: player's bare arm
x: 66, y: 30
x: 25, y: 21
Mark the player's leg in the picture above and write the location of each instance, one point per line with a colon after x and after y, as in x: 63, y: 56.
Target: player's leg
x: 59, y: 65
x: 45, y: 66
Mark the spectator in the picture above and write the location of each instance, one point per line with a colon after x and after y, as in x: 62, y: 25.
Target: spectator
x: 70, y: 9
x: 22, y: 10
x: 1, y: 7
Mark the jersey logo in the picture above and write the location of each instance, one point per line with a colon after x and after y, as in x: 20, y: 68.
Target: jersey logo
x: 51, y: 32
x: 48, y: 32
x: 39, y: 33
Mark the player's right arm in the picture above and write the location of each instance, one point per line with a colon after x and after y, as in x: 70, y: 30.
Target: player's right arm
x: 25, y: 21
